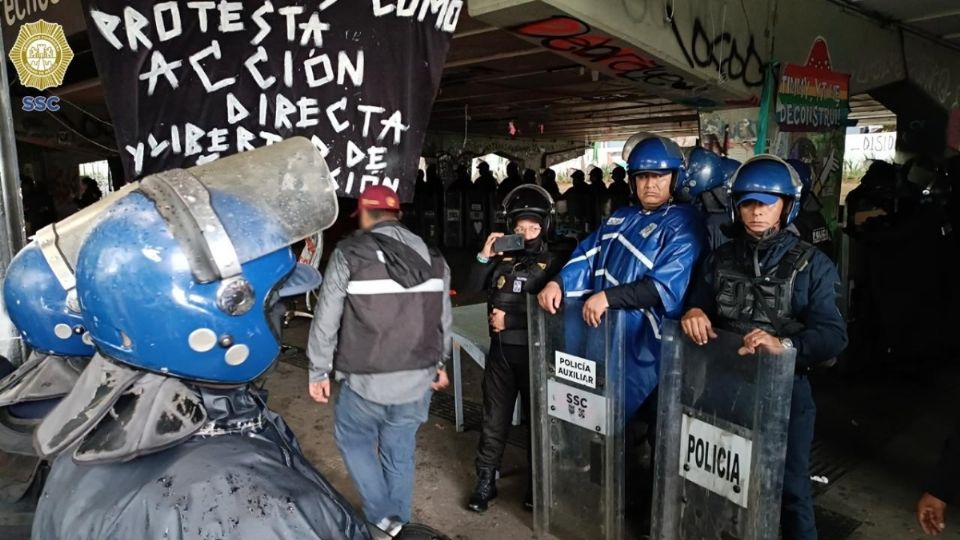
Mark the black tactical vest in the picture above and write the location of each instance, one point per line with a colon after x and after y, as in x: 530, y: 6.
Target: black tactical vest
x: 515, y: 277
x: 746, y: 301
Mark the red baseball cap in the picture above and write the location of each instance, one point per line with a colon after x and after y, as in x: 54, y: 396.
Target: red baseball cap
x: 377, y: 198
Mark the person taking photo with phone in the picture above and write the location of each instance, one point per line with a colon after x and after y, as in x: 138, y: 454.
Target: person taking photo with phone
x: 509, y: 268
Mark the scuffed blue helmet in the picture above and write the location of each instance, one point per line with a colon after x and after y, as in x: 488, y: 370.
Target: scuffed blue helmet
x: 658, y: 154
x: 769, y: 175
x: 183, y: 276
x: 704, y: 172
x: 144, y: 307
x: 729, y: 166
x: 38, y: 306
x: 805, y: 173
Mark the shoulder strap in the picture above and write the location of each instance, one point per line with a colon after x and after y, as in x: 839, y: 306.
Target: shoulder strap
x: 795, y: 261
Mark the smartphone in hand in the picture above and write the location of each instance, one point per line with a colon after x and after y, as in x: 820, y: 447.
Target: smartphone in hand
x: 508, y: 243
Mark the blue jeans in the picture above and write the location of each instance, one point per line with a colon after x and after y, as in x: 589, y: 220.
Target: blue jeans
x: 377, y: 443
x: 797, y: 521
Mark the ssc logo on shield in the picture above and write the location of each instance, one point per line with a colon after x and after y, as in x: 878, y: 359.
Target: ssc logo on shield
x: 41, y: 55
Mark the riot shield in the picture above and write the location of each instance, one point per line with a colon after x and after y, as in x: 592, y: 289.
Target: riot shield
x: 721, y: 439
x: 430, y: 226
x: 453, y: 219
x: 479, y: 217
x: 577, y: 397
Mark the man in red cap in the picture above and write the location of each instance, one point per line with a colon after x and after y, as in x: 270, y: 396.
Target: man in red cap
x: 382, y: 327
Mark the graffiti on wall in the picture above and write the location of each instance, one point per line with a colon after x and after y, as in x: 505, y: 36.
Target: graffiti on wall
x: 733, y: 59
x: 572, y: 36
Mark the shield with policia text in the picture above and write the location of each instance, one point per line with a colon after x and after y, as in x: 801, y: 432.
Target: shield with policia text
x: 187, y: 82
x: 577, y: 423
x: 721, y: 439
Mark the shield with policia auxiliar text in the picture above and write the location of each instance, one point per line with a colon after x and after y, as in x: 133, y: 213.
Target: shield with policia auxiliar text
x: 577, y: 423
x: 721, y: 439
x: 188, y: 82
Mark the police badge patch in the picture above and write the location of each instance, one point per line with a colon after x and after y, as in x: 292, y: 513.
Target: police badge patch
x: 41, y: 55
x: 820, y: 235
x: 501, y: 281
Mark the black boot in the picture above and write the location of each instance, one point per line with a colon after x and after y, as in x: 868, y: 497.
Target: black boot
x: 528, y: 500
x: 485, y: 491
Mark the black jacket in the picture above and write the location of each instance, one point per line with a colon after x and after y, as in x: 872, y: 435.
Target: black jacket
x: 814, y: 299
x: 529, y: 271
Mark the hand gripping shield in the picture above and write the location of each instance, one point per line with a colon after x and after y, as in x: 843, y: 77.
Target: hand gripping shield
x: 577, y: 424
x: 721, y: 439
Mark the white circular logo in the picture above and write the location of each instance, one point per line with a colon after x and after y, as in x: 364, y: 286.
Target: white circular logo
x: 41, y: 54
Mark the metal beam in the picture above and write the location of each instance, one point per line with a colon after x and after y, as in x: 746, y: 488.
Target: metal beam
x: 475, y: 32
x: 493, y: 57
x: 551, y: 111
x: 554, y: 94
x: 934, y: 16
x: 628, y: 120
x: 12, y: 234
x: 78, y: 87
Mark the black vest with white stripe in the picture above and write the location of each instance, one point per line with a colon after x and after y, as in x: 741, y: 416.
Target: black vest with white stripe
x: 384, y: 327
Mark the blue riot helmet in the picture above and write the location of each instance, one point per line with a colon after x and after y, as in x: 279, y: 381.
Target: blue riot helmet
x: 805, y: 173
x: 764, y: 178
x: 657, y: 154
x: 46, y: 315
x: 40, y: 286
x: 704, y: 172
x: 729, y: 166
x: 183, y: 275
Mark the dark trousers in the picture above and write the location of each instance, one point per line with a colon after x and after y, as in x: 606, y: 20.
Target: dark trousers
x: 507, y: 374
x: 796, y: 520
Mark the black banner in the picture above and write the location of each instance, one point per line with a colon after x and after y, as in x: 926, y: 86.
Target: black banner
x: 189, y: 81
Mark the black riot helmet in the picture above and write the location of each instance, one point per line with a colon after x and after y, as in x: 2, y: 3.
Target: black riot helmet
x: 530, y: 201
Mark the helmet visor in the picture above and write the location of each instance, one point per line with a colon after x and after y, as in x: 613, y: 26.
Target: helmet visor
x: 237, y: 209
x: 60, y: 242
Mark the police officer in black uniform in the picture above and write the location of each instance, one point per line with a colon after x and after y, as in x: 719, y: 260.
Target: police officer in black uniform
x: 810, y: 224
x: 508, y: 278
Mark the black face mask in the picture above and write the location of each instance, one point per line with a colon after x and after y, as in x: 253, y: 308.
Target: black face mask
x: 535, y: 245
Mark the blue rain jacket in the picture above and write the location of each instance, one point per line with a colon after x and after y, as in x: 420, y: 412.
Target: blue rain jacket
x: 664, y: 246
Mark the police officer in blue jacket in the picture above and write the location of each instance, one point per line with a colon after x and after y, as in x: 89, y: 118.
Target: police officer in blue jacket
x: 640, y: 260
x: 780, y: 293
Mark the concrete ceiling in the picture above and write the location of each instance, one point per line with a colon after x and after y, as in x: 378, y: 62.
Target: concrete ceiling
x: 493, y: 79
x: 940, y: 18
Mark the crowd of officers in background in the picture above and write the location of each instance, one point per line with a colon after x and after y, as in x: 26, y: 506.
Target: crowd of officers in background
x: 897, y: 225
x: 894, y: 243
x: 462, y: 213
